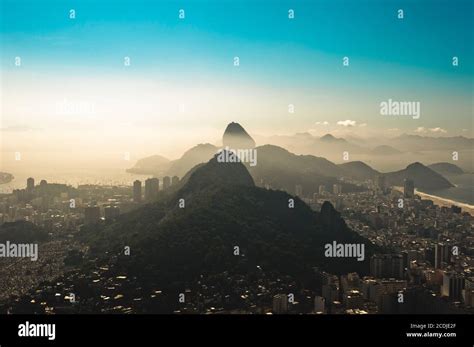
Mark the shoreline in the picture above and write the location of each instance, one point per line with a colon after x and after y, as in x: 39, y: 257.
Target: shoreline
x: 437, y: 200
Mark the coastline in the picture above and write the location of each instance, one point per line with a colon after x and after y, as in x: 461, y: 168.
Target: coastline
x: 446, y: 202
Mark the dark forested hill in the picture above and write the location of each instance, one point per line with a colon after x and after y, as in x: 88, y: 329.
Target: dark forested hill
x: 223, y: 209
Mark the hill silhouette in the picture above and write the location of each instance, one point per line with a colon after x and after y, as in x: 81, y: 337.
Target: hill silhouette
x: 173, y: 246
x: 422, y: 176
x: 446, y: 169
x: 196, y: 155
x: 155, y: 164
x: 283, y: 170
x: 358, y: 170
x: 236, y: 137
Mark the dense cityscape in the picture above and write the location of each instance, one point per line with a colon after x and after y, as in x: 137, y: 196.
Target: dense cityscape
x: 428, y: 268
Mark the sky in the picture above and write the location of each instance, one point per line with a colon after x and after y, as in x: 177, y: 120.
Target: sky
x: 73, y: 92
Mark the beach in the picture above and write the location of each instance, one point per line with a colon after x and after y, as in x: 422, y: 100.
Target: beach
x: 446, y: 202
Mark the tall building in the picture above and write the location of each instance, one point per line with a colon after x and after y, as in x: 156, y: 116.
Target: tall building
x: 376, y: 265
x: 387, y: 287
x: 468, y: 292
x: 408, y: 188
x: 353, y: 299
x: 321, y: 189
x: 330, y: 293
x: 442, y: 255
x: 174, y: 180
x: 319, y: 303
x: 166, y: 182
x: 299, y: 190
x: 43, y: 186
x: 339, y: 204
x: 137, y: 191
x: 368, y: 288
x: 111, y: 212
x: 380, y: 183
x: 91, y: 214
x: 468, y: 297
x: 397, y: 269
x: 337, y: 188
x: 30, y: 184
x: 387, y: 266
x: 280, y: 304
x: 151, y: 188
x: 453, y: 284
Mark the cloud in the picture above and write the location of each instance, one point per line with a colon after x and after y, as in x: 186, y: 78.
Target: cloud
x: 438, y: 130
x: 423, y: 130
x: 420, y: 130
x: 393, y: 129
x: 363, y: 124
x: 322, y: 123
x: 347, y: 123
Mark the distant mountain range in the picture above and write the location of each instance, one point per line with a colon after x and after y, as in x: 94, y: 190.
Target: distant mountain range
x: 385, y: 150
x: 419, y: 143
x: 331, y: 139
x: 402, y: 143
x: 283, y: 170
x: 307, y: 143
x: 381, y: 152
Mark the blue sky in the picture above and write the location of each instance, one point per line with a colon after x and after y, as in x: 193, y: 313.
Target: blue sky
x: 431, y: 32
x: 283, y: 61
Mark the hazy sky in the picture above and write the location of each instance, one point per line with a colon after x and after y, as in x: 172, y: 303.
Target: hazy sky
x: 73, y: 94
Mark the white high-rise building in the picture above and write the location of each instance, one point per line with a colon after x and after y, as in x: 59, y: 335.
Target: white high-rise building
x: 322, y: 189
x: 299, y: 190
x: 337, y: 188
